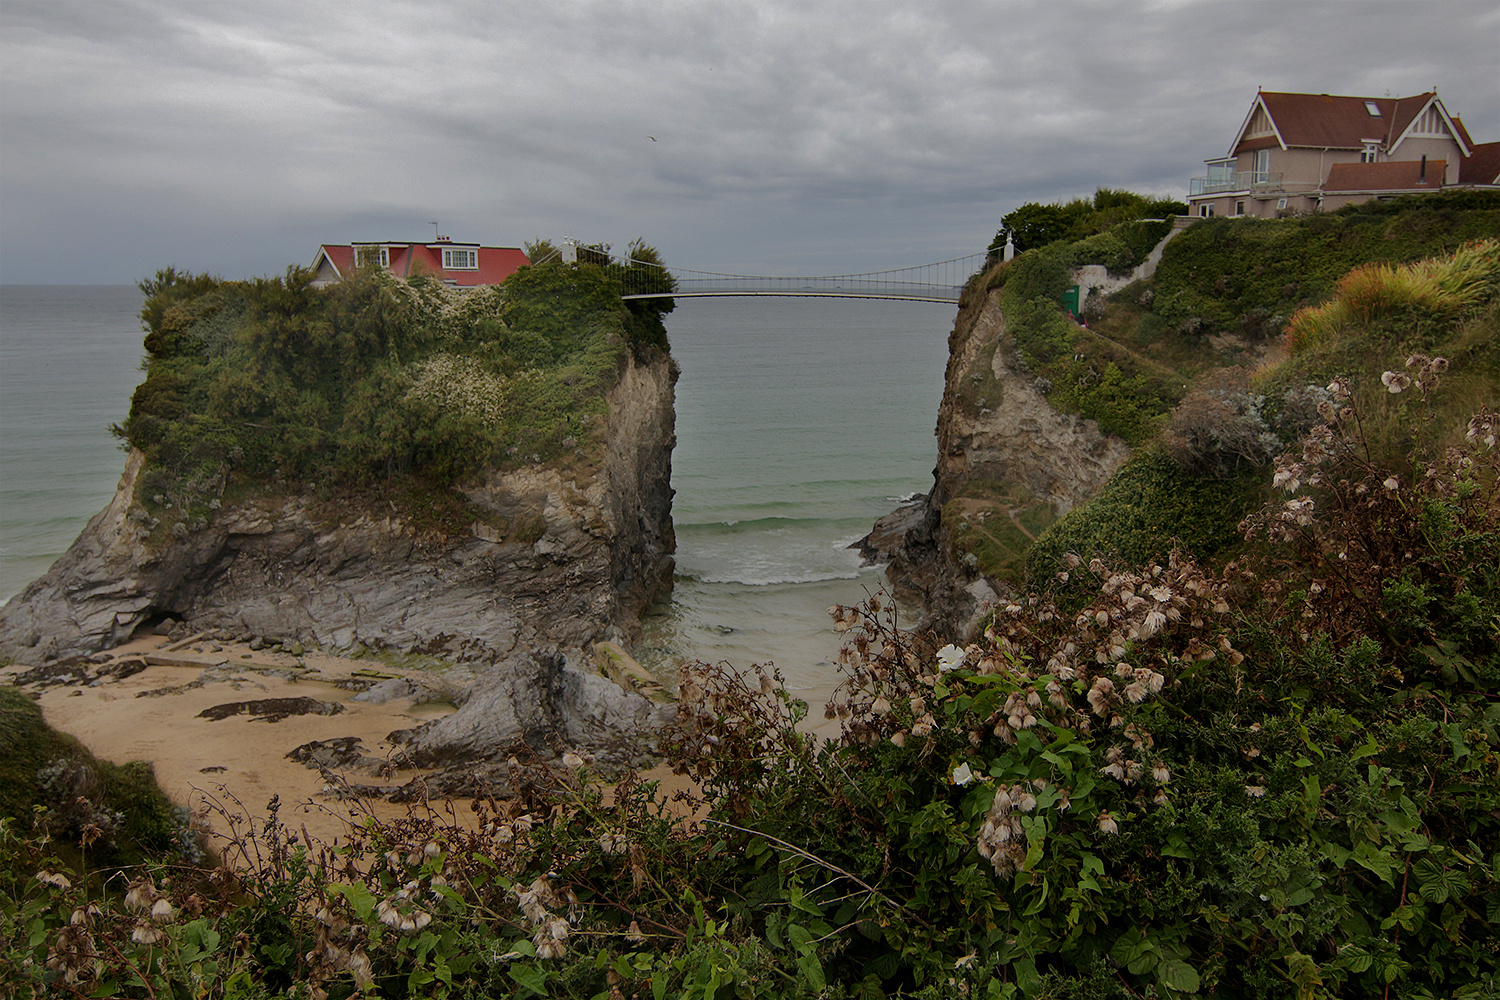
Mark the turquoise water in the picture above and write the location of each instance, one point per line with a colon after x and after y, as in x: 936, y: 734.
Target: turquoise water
x: 69, y: 359
x: 799, y: 422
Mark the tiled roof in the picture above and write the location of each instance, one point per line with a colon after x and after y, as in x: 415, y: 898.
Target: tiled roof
x: 1483, y: 167
x: 408, y: 259
x: 1392, y: 175
x: 1324, y: 120
x: 342, y: 258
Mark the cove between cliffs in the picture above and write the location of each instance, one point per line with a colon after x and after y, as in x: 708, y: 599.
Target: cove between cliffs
x: 830, y: 440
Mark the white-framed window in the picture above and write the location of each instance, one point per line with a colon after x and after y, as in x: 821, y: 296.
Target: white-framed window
x: 1373, y: 109
x: 1280, y: 203
x: 1371, y: 150
x: 1205, y: 210
x: 1262, y: 165
x: 460, y: 260
x: 371, y: 256
x: 1239, y: 208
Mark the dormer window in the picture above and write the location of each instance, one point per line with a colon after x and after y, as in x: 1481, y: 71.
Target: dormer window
x: 371, y: 256
x: 460, y: 260
x: 1371, y: 149
x: 1373, y: 109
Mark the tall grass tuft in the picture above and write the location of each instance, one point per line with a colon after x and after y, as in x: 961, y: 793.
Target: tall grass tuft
x: 1440, y: 287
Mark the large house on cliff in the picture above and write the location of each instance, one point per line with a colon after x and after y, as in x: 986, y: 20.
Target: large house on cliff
x: 1317, y: 152
x: 463, y: 264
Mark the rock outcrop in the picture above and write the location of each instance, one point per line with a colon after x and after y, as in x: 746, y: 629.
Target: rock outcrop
x: 542, y: 700
x: 578, y: 558
x: 995, y: 431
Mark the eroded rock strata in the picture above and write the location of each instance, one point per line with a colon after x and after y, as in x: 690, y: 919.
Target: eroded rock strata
x: 996, y: 431
x: 576, y: 559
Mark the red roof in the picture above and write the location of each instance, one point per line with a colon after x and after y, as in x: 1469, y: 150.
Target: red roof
x: 1392, y: 175
x: 1483, y: 167
x: 1327, y: 121
x: 410, y: 259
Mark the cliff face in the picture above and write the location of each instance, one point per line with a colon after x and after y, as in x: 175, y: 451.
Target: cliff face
x: 1008, y: 463
x: 597, y: 551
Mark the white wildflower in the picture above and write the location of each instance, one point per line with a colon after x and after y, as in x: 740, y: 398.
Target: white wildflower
x: 963, y: 774
x: 950, y: 657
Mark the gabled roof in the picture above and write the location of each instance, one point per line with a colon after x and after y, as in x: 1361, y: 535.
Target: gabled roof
x: 1482, y: 167
x: 1325, y: 121
x: 341, y: 259
x: 1391, y: 175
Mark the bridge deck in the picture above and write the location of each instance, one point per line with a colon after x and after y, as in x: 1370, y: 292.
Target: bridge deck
x: 942, y: 281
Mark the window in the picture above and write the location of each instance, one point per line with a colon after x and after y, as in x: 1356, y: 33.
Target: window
x: 1280, y: 203
x: 371, y: 256
x: 1371, y: 150
x: 1373, y: 109
x: 1205, y: 211
x: 460, y: 260
x: 1239, y: 208
x: 1262, y: 165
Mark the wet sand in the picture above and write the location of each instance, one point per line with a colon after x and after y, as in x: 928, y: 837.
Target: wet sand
x: 237, y: 763
x: 154, y: 715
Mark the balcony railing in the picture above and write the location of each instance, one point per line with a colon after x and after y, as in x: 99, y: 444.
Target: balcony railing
x: 1243, y: 180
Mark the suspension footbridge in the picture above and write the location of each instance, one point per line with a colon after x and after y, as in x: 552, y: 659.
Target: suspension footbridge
x: 941, y: 281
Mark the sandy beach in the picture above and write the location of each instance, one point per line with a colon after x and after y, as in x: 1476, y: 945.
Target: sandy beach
x: 208, y: 715
x: 167, y: 713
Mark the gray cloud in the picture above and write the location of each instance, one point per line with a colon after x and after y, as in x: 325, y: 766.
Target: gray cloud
x: 791, y: 137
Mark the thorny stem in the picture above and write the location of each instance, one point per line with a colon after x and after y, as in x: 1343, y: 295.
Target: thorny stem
x: 825, y: 864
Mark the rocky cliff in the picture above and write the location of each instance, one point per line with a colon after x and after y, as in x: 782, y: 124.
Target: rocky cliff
x: 1008, y: 464
x: 552, y: 558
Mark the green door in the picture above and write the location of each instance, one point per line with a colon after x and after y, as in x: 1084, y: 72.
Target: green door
x: 1070, y: 299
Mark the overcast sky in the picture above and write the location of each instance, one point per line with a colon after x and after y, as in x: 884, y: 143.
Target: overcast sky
x: 790, y: 136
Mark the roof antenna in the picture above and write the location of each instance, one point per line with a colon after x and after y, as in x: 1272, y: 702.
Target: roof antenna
x: 435, y: 236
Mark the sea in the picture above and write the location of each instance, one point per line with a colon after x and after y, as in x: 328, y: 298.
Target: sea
x: 799, y: 422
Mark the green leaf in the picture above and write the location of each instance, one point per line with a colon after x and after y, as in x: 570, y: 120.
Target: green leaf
x: 361, y: 900
x: 1354, y: 958
x: 1040, y: 901
x: 1178, y: 975
x: 812, y: 969
x: 530, y: 978
x: 1297, y: 897
x: 1337, y: 853
x: 1377, y: 861
x: 1177, y: 846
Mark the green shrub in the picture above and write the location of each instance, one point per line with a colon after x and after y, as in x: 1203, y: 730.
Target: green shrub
x: 115, y: 810
x: 1147, y: 509
x: 374, y: 377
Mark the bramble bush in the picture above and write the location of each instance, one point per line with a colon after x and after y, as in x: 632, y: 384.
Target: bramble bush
x: 1280, y: 779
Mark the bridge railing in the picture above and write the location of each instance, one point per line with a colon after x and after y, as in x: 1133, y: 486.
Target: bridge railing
x: 941, y: 281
